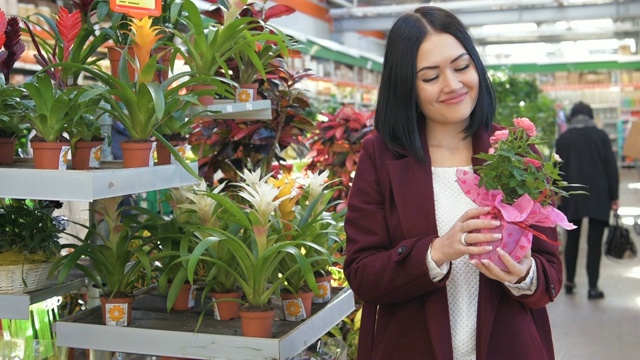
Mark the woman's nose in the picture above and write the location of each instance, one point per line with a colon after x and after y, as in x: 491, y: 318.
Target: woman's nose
x: 451, y: 81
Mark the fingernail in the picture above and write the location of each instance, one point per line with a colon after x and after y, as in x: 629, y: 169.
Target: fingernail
x: 487, y: 208
x: 495, y: 222
x: 485, y: 261
x: 488, y: 248
x: 496, y: 236
x: 500, y: 251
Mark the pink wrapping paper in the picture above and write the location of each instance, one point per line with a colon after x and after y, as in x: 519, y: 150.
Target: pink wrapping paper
x: 516, y: 219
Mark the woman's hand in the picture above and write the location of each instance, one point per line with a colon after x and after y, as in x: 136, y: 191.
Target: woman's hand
x: 450, y: 246
x: 517, y: 271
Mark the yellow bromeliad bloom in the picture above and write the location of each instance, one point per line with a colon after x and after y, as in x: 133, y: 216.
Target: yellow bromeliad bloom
x: 144, y: 37
x: 288, y: 190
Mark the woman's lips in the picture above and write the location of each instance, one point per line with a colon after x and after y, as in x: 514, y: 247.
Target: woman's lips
x: 456, y: 99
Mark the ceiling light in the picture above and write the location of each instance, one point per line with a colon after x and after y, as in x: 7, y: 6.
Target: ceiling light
x: 590, y: 24
x: 507, y: 28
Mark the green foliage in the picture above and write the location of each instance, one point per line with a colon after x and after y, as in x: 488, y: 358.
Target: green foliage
x: 12, y: 110
x: 519, y: 96
x: 27, y: 228
x: 121, y: 255
x: 513, y: 167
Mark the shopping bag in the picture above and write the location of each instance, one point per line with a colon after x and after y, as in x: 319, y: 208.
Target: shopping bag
x: 618, y: 243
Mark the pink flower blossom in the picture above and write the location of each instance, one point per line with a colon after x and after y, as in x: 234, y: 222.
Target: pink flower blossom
x: 499, y: 135
x: 491, y: 150
x: 533, y: 162
x: 526, y: 125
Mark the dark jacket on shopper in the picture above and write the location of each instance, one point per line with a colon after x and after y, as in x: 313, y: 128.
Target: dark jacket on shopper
x: 588, y: 160
x: 405, y: 313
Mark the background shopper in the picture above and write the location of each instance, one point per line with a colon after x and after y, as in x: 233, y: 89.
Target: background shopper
x: 407, y: 258
x: 588, y: 160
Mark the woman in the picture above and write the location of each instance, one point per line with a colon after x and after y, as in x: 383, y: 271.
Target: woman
x: 410, y: 228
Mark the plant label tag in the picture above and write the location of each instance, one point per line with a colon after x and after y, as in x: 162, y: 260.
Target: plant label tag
x: 294, y: 310
x: 192, y: 297
x: 216, y: 312
x: 137, y: 8
x: 95, y: 157
x: 65, y: 156
x: 153, y: 151
x: 182, y: 150
x: 116, y: 314
x: 324, y: 294
x: 244, y: 95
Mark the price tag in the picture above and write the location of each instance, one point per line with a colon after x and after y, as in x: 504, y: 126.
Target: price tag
x: 137, y: 8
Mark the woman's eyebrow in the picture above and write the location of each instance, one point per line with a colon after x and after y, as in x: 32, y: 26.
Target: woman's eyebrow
x: 437, y: 66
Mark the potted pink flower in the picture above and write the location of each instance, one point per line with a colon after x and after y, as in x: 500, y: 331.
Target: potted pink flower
x: 519, y: 186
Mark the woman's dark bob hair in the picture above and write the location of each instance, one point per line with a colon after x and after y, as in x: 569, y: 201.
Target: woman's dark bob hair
x: 397, y: 113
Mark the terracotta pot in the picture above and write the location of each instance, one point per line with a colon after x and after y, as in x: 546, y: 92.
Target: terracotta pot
x: 50, y: 155
x: 257, y: 324
x: 114, y: 53
x: 163, y: 155
x: 87, y: 155
x: 137, y: 154
x: 226, y: 310
x: 7, y: 150
x: 116, y: 311
x: 247, y: 92
x: 165, y: 61
x: 186, y: 298
x: 324, y: 285
x: 292, y: 309
x: 205, y: 100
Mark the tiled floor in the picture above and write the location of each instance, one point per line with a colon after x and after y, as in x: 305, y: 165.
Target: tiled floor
x: 607, y: 329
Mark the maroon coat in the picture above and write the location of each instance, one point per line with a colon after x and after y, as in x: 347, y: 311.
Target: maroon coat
x: 390, y: 225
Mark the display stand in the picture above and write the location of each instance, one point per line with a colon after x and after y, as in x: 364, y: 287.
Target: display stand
x: 153, y: 331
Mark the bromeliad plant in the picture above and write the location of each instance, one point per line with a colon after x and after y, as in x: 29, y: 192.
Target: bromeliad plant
x: 305, y: 215
x: 52, y: 110
x: 12, y: 109
x: 121, y: 255
x: 207, y: 47
x: 254, y: 240
x: 144, y: 104
x: 75, y: 40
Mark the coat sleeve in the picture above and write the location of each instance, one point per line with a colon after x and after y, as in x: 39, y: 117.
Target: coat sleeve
x: 379, y: 269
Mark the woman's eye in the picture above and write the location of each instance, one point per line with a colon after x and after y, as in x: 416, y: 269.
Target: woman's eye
x: 429, y: 79
x: 463, y: 68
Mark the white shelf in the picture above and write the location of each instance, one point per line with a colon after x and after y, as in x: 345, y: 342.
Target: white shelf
x: 22, y: 181
x: 215, y: 339
x: 16, y: 306
x: 228, y: 109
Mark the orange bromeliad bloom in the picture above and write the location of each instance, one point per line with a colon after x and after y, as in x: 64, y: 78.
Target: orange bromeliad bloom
x: 144, y: 37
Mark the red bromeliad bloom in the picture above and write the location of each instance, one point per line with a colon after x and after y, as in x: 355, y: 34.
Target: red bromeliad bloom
x: 11, y: 40
x: 69, y: 25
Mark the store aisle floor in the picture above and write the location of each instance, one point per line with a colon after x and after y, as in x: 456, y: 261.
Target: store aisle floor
x: 607, y: 329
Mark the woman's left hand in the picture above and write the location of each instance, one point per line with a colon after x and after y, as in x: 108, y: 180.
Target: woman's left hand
x: 517, y: 271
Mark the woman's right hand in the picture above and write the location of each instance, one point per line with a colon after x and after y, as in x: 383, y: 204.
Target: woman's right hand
x: 449, y: 246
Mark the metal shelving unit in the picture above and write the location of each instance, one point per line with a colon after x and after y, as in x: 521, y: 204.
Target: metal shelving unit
x: 24, y: 182
x: 155, y: 332
x: 16, y: 306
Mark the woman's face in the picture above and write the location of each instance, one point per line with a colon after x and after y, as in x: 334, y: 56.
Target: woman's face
x: 446, y: 80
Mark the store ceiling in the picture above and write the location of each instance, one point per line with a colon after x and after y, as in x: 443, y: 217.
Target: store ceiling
x: 379, y: 15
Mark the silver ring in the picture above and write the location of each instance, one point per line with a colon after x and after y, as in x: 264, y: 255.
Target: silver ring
x: 463, y: 239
